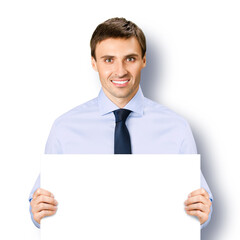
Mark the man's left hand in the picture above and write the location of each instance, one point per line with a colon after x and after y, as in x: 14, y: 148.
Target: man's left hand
x: 198, y: 204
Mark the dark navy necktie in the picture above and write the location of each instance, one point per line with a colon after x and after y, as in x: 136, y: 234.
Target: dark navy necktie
x: 122, y: 143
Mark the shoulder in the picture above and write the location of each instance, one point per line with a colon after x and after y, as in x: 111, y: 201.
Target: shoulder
x: 81, y: 111
x: 166, y: 121
x: 162, y: 113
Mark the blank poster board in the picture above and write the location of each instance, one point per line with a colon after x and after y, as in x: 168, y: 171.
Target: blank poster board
x: 120, y: 197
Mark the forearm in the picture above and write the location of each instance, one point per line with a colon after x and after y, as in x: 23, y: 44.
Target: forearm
x: 206, y: 187
x: 35, y: 187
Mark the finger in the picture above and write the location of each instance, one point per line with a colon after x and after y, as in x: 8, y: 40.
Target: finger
x: 38, y: 216
x: 46, y: 199
x: 44, y: 206
x: 41, y: 191
x: 200, y: 191
x: 198, y: 206
x: 201, y: 216
x: 197, y: 199
x: 196, y: 213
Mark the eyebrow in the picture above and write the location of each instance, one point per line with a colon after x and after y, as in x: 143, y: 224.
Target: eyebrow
x: 129, y: 55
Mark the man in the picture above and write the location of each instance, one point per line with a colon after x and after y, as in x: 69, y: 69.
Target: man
x: 118, y: 50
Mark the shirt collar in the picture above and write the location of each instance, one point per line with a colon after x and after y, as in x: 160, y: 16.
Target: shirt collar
x: 135, y: 104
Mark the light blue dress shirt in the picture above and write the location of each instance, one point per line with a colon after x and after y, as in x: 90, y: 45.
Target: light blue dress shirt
x: 89, y: 129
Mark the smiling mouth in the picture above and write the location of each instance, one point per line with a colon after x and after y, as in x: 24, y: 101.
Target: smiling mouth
x: 121, y: 82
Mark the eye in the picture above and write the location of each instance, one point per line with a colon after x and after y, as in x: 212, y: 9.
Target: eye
x: 108, y: 60
x: 131, y: 59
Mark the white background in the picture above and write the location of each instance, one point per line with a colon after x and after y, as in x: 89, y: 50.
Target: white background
x: 193, y: 62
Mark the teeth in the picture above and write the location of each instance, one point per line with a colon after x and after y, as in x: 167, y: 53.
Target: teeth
x: 120, y: 82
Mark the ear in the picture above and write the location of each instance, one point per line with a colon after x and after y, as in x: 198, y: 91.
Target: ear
x: 94, y: 64
x: 144, y: 61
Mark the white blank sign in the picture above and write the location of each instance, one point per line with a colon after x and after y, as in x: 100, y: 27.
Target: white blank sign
x: 120, y: 197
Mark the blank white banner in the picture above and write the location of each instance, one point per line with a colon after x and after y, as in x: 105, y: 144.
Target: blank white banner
x: 120, y: 197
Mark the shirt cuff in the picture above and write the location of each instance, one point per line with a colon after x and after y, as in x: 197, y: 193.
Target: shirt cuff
x: 209, y: 217
x: 30, y: 209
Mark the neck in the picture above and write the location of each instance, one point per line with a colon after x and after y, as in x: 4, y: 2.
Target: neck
x: 121, y: 102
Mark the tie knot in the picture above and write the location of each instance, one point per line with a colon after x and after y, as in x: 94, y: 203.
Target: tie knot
x: 121, y: 114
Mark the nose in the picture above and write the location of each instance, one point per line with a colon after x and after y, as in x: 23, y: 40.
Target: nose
x: 120, y: 69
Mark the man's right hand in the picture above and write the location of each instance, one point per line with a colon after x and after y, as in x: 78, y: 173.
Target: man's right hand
x: 43, y: 204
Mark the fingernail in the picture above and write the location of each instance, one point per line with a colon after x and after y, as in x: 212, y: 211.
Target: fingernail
x: 189, y: 195
x: 52, y: 195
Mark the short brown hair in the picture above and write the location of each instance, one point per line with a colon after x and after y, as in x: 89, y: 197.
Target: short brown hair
x: 117, y: 28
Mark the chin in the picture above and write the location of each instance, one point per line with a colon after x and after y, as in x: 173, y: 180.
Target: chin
x: 123, y: 94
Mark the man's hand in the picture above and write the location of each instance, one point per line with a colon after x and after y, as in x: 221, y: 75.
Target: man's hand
x: 43, y: 204
x: 198, y: 204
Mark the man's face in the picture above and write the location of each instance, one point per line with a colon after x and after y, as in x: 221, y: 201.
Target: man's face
x: 119, y: 63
